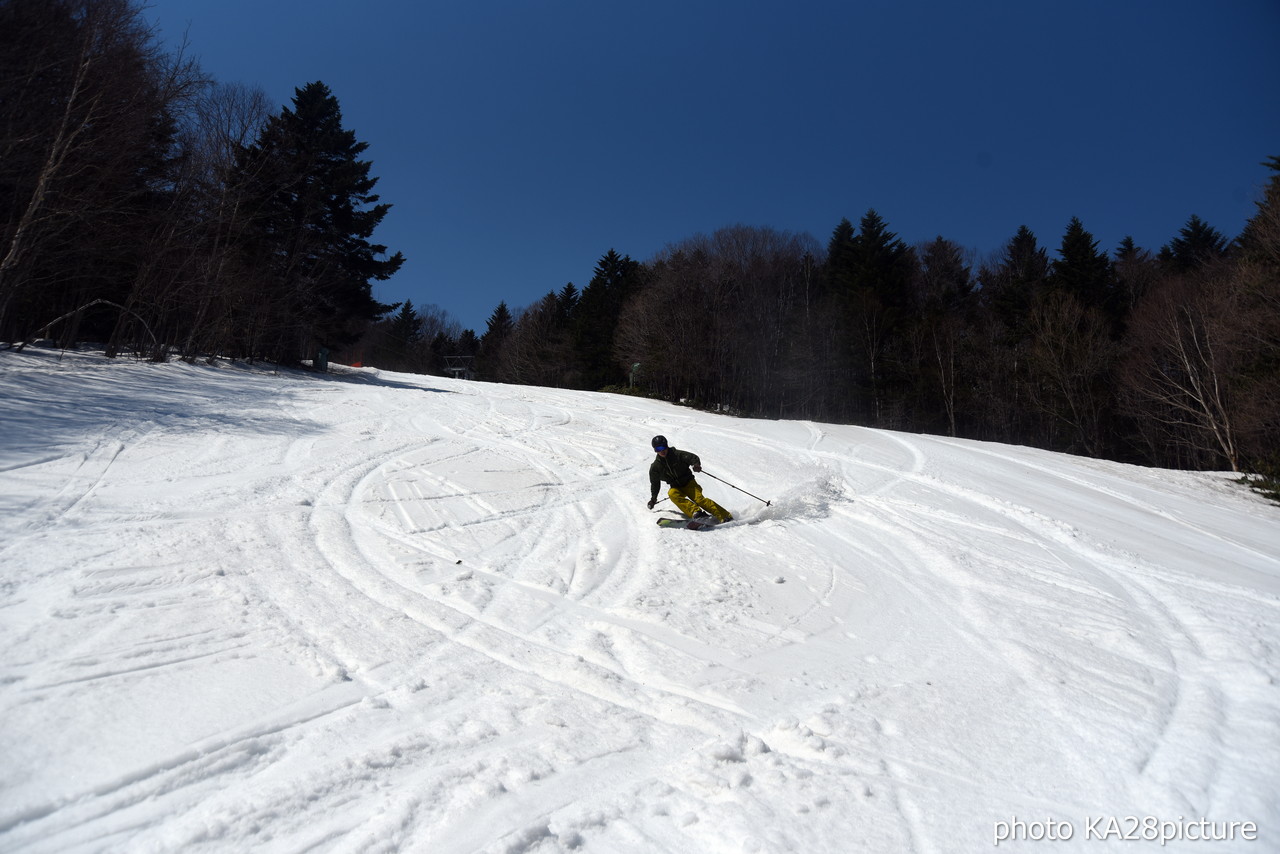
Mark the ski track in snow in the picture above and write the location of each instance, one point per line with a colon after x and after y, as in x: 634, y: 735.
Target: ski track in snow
x: 254, y: 610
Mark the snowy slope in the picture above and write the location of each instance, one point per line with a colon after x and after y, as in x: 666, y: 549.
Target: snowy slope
x: 245, y: 610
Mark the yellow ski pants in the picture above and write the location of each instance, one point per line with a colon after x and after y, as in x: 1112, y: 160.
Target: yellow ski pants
x: 689, y: 498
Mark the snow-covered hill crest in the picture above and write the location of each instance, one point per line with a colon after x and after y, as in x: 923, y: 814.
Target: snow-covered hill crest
x: 247, y: 610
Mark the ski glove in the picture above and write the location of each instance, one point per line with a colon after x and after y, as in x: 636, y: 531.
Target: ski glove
x: 698, y: 469
x: 652, y: 501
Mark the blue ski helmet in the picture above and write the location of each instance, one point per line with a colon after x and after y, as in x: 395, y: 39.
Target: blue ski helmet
x: 659, y: 443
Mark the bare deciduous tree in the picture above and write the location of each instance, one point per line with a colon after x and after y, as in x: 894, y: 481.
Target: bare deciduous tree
x: 1185, y: 341
x: 540, y: 350
x: 224, y: 120
x: 717, y: 320
x: 83, y: 101
x: 1070, y: 359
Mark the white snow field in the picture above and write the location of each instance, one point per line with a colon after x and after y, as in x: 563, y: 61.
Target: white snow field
x: 245, y: 610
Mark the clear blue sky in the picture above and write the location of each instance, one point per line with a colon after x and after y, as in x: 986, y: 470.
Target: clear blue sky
x: 520, y: 141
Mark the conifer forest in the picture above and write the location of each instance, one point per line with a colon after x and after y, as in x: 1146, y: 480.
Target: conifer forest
x: 163, y: 215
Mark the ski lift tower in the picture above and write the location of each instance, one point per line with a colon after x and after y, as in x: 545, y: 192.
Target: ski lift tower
x: 460, y: 367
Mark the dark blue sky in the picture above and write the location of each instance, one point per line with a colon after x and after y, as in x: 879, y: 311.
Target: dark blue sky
x: 520, y: 141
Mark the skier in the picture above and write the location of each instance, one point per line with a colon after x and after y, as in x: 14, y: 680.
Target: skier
x: 676, y: 467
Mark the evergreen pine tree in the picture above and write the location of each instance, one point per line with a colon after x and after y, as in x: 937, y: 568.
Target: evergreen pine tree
x: 839, y: 269
x: 1084, y: 272
x: 881, y: 263
x: 946, y: 281
x: 316, y: 211
x: 1260, y: 240
x: 468, y: 344
x: 1197, y: 245
x: 870, y: 276
x: 1258, y: 277
x: 443, y: 347
x: 496, y: 334
x: 404, y: 332
x: 1135, y: 272
x: 406, y: 325
x: 942, y: 310
x: 567, y: 301
x: 596, y: 319
x: 1010, y: 287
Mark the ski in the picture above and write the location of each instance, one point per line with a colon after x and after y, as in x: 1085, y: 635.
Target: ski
x: 691, y: 524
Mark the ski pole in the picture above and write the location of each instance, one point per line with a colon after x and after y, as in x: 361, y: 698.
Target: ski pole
x: 740, y: 489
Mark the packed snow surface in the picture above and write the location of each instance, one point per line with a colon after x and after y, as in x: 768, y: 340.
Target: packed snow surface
x: 248, y: 610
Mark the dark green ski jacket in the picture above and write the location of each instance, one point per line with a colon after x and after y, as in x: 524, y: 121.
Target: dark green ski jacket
x: 676, y: 469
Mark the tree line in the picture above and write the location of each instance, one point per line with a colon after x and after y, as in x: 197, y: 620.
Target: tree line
x: 1169, y: 357
x: 149, y: 207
